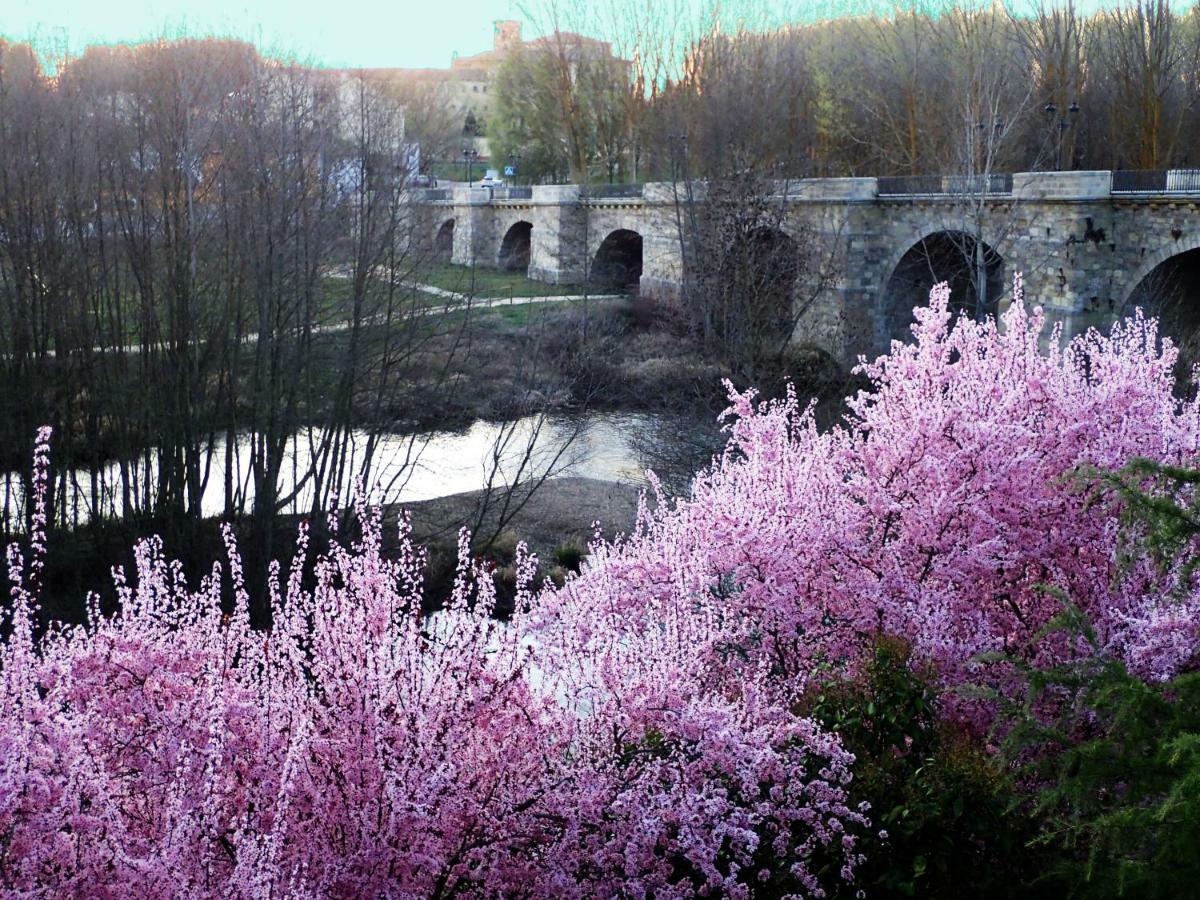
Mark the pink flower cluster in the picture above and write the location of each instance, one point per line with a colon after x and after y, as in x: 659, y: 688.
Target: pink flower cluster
x: 360, y: 748
x: 939, y: 512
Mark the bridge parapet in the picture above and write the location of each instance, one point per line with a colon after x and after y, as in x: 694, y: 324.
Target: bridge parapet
x: 1156, y: 181
x: 1051, y: 186
x: 611, y: 191
x: 943, y: 185
x: 1067, y: 186
x: 828, y: 190
x: 556, y: 193
x: 668, y: 191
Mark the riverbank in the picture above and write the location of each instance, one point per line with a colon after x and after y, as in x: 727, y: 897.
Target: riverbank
x: 562, y: 511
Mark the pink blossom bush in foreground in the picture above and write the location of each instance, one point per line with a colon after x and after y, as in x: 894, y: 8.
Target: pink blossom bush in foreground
x: 937, y: 513
x: 359, y: 749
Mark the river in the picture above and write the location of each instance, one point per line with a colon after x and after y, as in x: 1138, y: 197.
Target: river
x: 609, y: 446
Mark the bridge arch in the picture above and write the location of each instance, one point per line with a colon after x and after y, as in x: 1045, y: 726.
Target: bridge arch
x: 1167, y: 285
x: 759, y: 272
x: 933, y: 257
x: 515, y: 247
x: 617, y: 262
x: 443, y: 242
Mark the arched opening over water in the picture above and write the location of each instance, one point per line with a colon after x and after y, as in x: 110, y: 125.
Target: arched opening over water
x: 443, y: 243
x: 514, y: 249
x: 951, y: 256
x: 617, y: 265
x: 758, y: 275
x: 1171, y: 292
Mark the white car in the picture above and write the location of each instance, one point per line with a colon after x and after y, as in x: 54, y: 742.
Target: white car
x: 490, y: 181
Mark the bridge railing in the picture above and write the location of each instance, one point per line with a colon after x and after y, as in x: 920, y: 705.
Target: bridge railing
x: 431, y: 194
x: 601, y: 191
x: 1156, y: 181
x: 943, y: 185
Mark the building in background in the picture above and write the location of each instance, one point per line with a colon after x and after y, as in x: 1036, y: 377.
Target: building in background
x: 449, y: 108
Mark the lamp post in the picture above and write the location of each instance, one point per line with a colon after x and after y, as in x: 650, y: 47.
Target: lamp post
x: 470, y: 154
x: 514, y: 160
x: 1062, y: 125
x: 679, y: 152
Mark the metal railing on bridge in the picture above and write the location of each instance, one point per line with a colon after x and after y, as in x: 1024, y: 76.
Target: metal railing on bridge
x: 1156, y: 181
x: 601, y: 191
x: 432, y: 194
x: 942, y: 185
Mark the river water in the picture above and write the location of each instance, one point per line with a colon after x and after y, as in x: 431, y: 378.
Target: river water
x: 608, y: 446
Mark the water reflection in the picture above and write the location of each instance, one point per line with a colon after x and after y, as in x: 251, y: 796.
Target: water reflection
x: 404, y: 468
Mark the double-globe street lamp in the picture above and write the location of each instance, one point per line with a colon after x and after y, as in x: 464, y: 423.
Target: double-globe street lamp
x: 470, y: 154
x: 1062, y: 125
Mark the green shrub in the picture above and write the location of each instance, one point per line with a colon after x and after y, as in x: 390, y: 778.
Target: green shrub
x: 1113, y: 757
x: 1115, y: 762
x: 943, y: 811
x: 569, y: 555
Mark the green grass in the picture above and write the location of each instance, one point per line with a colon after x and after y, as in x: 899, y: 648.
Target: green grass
x: 486, y: 283
x: 335, y: 298
x: 524, y: 314
x: 335, y: 295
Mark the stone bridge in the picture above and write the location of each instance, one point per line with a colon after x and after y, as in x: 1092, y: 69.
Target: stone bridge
x: 1090, y: 244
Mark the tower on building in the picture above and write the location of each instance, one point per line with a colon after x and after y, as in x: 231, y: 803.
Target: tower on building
x: 507, y: 35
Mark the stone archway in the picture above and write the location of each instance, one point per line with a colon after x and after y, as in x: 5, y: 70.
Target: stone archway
x: 617, y: 265
x: 758, y: 275
x: 950, y: 256
x: 1170, y: 291
x: 443, y: 242
x: 515, y: 248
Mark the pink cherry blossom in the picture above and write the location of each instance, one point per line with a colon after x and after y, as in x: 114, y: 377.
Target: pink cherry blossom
x: 939, y: 511
x: 360, y: 748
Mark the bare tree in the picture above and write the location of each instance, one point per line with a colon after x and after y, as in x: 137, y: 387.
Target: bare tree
x: 1145, y: 59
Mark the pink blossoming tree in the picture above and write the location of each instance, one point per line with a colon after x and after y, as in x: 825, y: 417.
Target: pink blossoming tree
x: 939, y: 512
x: 362, y: 749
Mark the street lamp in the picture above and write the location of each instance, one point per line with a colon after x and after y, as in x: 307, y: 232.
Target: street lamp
x: 470, y: 154
x: 1063, y: 124
x: 514, y: 160
x: 678, y: 144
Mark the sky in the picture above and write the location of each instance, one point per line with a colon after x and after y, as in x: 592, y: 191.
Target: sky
x: 336, y: 33
x: 416, y: 33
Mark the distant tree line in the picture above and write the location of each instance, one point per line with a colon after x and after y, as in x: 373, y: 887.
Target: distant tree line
x: 922, y: 89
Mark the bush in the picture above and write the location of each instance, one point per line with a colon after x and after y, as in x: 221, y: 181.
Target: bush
x: 936, y: 512
x: 1114, y: 755
x: 1116, y: 773
x: 362, y: 748
x: 569, y: 555
x: 944, y: 812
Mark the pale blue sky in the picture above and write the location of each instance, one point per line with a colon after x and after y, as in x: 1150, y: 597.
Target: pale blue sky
x: 331, y: 32
x: 416, y: 33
